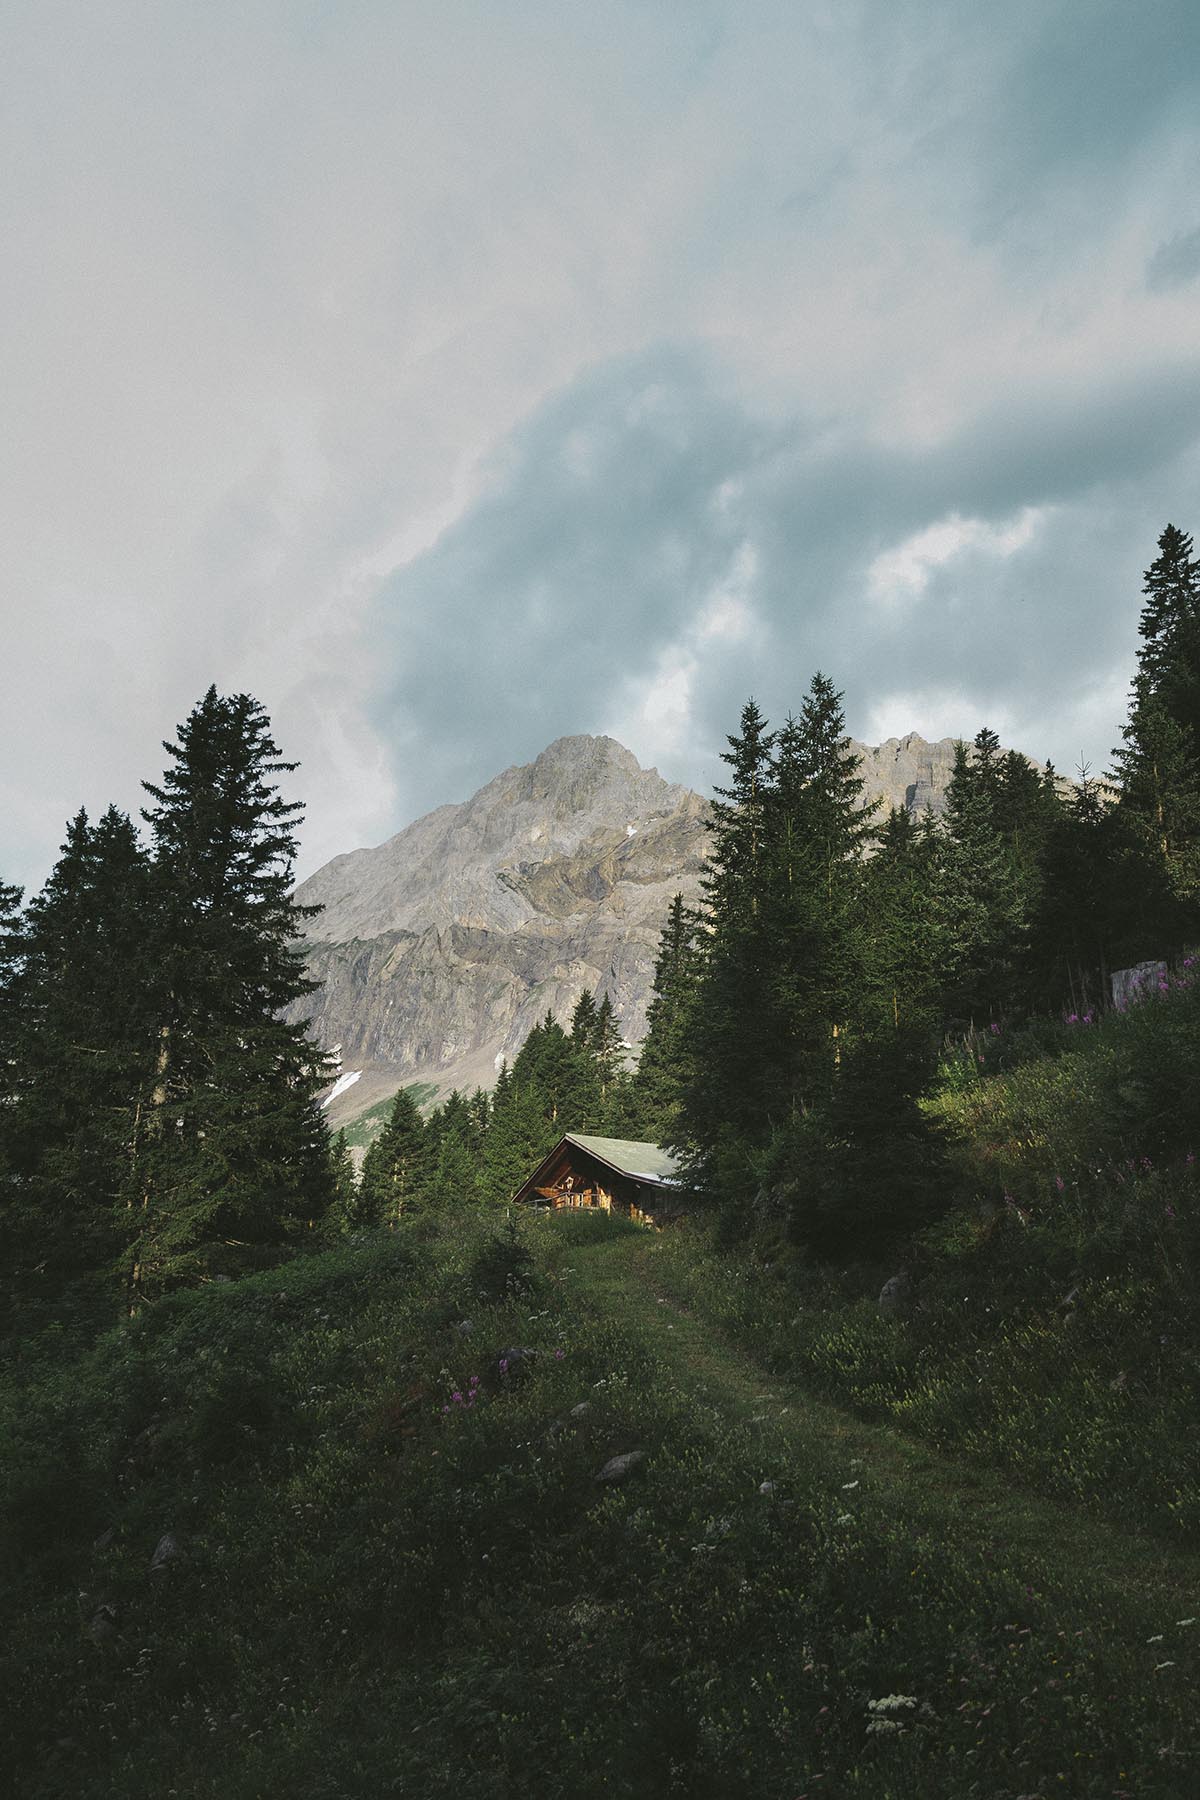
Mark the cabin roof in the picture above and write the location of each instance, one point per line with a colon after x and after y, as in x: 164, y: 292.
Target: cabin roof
x: 640, y: 1162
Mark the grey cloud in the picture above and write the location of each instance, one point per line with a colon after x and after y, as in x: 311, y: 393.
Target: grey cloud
x: 586, y: 559
x: 621, y: 507
x: 1175, y: 262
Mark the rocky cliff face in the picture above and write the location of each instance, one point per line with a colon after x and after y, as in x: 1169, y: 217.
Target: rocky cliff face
x: 439, y: 950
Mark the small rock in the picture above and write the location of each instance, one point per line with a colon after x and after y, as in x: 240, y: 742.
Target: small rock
x: 515, y: 1362
x: 577, y: 1412
x: 166, y: 1552
x: 766, y: 1487
x: 463, y: 1327
x: 618, y: 1467
x: 103, y: 1627
x: 895, y: 1295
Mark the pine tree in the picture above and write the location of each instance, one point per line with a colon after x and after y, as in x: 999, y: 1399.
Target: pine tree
x: 818, y: 830
x: 1157, y: 766
x: 727, y: 1095
x: 1081, y: 915
x: 518, y: 1137
x: 1159, y: 775
x: 394, y: 1164
x: 783, y: 955
x: 343, y: 1214
x: 666, y: 1062
x: 86, y: 1019
x: 609, y: 1051
x: 583, y: 1022
x: 905, y: 952
x: 236, y: 1147
x: 454, y: 1154
x: 1170, y: 629
x: 981, y: 907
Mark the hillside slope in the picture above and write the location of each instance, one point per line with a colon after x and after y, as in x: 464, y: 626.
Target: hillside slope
x: 308, y: 1534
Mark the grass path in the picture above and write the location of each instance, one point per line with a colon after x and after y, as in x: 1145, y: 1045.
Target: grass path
x: 935, y: 1497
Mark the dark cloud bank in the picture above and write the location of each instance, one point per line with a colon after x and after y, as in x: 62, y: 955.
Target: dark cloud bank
x: 621, y: 508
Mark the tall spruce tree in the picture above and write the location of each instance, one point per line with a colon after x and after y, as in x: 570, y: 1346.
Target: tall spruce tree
x: 783, y: 953
x: 727, y: 1093
x: 666, y: 1062
x: 983, y: 916
x: 818, y: 828
x: 236, y: 1149
x: 1157, y: 765
x: 87, y: 1023
x: 394, y: 1166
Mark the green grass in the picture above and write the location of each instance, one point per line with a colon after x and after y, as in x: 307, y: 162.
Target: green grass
x: 382, y: 1590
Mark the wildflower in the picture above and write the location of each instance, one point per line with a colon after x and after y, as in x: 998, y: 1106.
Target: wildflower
x: 1185, y: 1621
x: 847, y: 1485
x: 1169, y: 1210
x: 1189, y: 1160
x: 890, y: 1703
x: 1059, y: 1183
x: 558, y: 1355
x: 844, y: 1519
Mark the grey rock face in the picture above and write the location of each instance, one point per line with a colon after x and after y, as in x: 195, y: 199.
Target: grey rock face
x: 442, y: 948
x: 438, y: 951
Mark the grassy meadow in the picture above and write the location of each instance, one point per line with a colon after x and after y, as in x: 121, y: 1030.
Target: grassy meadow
x: 318, y: 1532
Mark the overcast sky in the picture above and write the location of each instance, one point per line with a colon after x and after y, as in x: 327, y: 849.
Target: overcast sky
x: 454, y: 376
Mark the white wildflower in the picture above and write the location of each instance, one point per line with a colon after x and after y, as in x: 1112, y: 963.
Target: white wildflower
x: 847, y: 1485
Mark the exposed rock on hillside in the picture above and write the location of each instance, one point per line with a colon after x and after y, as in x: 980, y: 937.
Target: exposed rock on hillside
x: 439, y: 950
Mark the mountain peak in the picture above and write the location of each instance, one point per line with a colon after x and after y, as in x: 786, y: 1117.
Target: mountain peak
x: 584, y: 749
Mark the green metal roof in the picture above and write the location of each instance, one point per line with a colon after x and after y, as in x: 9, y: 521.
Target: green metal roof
x: 640, y: 1162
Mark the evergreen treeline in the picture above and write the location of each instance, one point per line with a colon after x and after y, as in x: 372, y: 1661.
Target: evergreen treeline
x: 159, y: 1120
x: 800, y: 1016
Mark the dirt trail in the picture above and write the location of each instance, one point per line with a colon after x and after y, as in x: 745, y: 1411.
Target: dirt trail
x: 1146, y: 1580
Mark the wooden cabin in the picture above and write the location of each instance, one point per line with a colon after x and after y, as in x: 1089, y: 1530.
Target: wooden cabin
x: 611, y: 1174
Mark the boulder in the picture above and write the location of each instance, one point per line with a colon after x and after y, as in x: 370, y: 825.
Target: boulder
x: 617, y: 1468
x: 515, y: 1363
x: 895, y: 1296
x: 166, y: 1552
